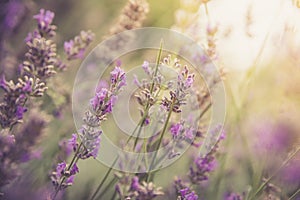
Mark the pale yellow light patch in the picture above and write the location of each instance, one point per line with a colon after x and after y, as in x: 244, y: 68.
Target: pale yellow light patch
x: 240, y: 44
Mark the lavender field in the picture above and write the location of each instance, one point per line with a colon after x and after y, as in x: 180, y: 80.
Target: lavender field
x: 142, y: 100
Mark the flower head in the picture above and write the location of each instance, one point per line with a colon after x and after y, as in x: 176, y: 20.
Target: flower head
x: 45, y: 18
x: 187, y: 194
x: 176, y: 129
x: 76, y: 47
x: 201, y: 169
x: 118, y: 78
x: 147, y: 68
x: 60, y: 168
x: 73, y: 142
x: 233, y: 196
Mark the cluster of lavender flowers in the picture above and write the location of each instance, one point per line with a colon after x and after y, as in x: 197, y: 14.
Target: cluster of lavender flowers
x: 19, y: 148
x: 88, y: 143
x: 130, y: 187
x: 41, y: 62
x: 133, y: 15
x: 149, y: 94
x: 200, y: 169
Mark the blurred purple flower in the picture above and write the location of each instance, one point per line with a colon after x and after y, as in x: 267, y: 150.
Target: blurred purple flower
x: 31, y: 35
x: 272, y: 137
x: 176, y: 129
x: 137, y: 190
x: 118, y: 78
x: 233, y: 196
x: 44, y: 17
x: 118, y: 63
x: 180, y: 92
x: 73, y: 142
x: 74, y: 169
x: 98, y: 101
x: 20, y: 111
x: 70, y: 180
x: 76, y: 47
x: 15, y: 10
x: 66, y: 149
x: 102, y: 84
x: 146, y: 68
x: 188, y: 194
x: 203, y: 166
x: 135, y: 183
x: 60, y: 169
x: 290, y: 175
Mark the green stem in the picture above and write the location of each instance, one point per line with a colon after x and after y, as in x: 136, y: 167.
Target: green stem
x: 295, y: 194
x: 73, y: 161
x: 141, y: 122
x: 113, y: 181
x: 262, y: 186
x: 147, y: 107
x: 104, y: 178
x: 114, y: 195
x: 160, y: 139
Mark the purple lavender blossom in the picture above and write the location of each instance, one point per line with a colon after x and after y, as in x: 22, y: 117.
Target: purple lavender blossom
x: 185, y: 79
x: 15, y: 10
x: 63, y: 171
x: 20, y: 111
x: 60, y: 169
x: 179, y: 94
x: 44, y: 17
x: 118, y: 78
x: 89, y: 134
x: 135, y: 183
x: 272, y: 137
x: 183, y: 190
x: 290, y: 175
x: 65, y: 149
x: 45, y: 27
x: 203, y: 166
x: 90, y: 138
x: 31, y: 35
x: 137, y: 190
x: 187, y: 194
x: 233, y: 196
x: 146, y: 68
x: 176, y: 129
x: 18, y: 148
x: 74, y: 169
x: 98, y: 101
x: 76, y: 47
x: 73, y: 142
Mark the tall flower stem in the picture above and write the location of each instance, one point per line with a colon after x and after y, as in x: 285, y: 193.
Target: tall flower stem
x: 73, y: 161
x: 262, y: 186
x: 104, y: 178
x: 139, y: 125
x: 151, y: 175
x: 147, y: 107
x: 295, y: 194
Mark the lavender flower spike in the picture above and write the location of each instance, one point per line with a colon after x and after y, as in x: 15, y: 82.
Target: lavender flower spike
x: 187, y: 194
x: 76, y: 47
x: 89, y: 134
x: 45, y: 18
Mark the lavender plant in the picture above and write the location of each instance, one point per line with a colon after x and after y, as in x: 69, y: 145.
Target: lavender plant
x: 87, y: 145
x: 40, y: 64
x: 159, y: 106
x: 152, y: 93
